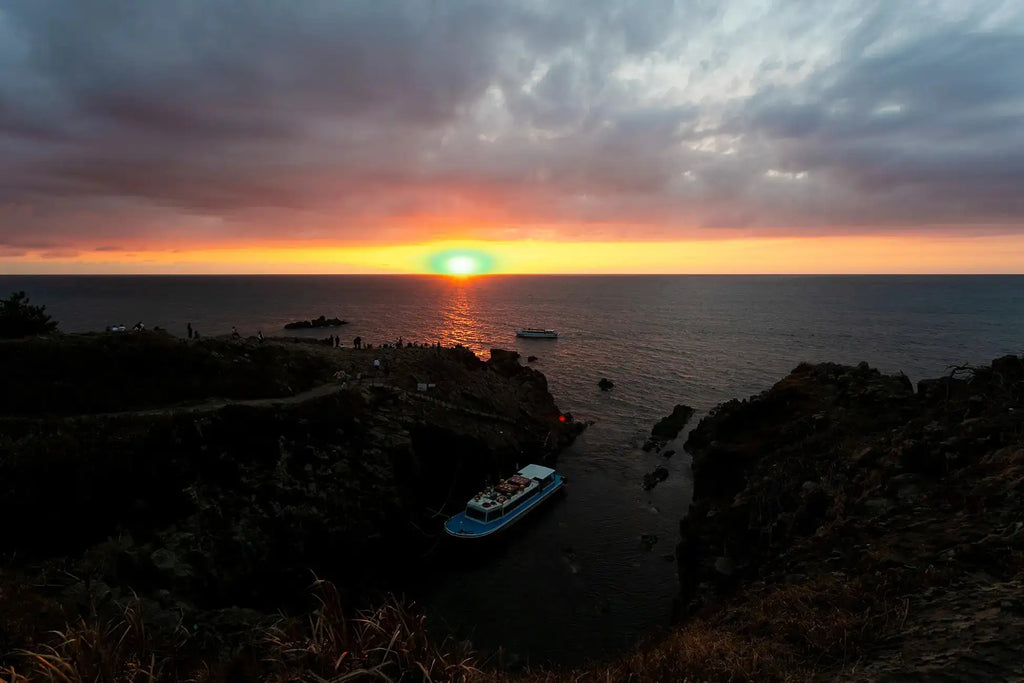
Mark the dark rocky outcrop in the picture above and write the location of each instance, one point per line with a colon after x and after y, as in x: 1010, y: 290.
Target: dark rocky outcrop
x: 842, y: 485
x: 104, y: 373
x: 605, y: 384
x: 652, y: 479
x: 322, y: 321
x: 668, y: 428
x: 209, y: 505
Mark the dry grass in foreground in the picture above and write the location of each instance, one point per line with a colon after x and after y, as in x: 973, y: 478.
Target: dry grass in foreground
x: 390, y: 643
x: 92, y: 651
x: 770, y: 633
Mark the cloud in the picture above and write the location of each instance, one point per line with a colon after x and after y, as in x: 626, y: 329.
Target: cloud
x: 134, y: 124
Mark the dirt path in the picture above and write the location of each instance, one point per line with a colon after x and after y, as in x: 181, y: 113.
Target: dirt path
x: 212, y: 405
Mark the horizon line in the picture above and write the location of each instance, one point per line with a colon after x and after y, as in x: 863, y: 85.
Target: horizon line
x: 492, y: 275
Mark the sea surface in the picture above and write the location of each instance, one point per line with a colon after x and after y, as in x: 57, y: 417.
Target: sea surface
x: 576, y: 582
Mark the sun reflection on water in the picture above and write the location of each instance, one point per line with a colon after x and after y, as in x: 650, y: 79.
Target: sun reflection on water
x: 460, y: 323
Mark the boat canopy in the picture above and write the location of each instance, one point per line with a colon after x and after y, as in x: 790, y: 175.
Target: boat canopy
x: 536, y: 472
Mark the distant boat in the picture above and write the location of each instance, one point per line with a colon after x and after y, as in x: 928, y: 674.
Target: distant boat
x: 499, y: 506
x: 535, y: 333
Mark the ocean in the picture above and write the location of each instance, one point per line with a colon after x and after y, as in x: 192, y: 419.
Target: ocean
x: 576, y: 582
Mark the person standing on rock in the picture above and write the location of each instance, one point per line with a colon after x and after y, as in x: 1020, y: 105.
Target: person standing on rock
x: 189, y: 330
x: 357, y: 343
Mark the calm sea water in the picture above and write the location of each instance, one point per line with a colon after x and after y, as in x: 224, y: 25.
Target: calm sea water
x: 576, y: 582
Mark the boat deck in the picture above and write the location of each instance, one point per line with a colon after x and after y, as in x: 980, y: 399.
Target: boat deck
x: 511, y: 498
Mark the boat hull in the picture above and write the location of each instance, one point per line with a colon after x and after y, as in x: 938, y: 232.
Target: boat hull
x: 536, y: 335
x: 460, y: 526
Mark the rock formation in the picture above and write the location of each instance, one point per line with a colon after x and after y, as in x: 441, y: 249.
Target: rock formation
x: 213, y: 504
x: 668, y: 428
x: 322, y: 321
x: 844, y: 485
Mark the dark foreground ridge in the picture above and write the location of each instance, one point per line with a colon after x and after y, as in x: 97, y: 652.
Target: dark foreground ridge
x: 859, y: 530
x: 216, y: 478
x: 844, y: 526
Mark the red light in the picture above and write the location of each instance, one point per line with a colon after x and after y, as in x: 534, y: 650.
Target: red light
x: 561, y: 418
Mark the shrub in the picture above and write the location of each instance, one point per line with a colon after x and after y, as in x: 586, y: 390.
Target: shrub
x: 20, y: 319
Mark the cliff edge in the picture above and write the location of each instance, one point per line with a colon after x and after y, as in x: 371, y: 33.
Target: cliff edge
x: 863, y: 530
x: 216, y: 479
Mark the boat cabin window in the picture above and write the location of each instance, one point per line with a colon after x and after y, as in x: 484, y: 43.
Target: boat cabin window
x: 473, y: 513
x: 492, y: 514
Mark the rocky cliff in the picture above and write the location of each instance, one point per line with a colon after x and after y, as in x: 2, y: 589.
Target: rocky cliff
x: 866, y: 530
x: 217, y: 502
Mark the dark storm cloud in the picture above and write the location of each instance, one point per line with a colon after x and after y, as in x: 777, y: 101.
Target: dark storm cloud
x: 207, y: 121
x: 929, y: 131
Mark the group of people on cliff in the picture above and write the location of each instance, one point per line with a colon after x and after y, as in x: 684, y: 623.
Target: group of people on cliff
x: 334, y: 341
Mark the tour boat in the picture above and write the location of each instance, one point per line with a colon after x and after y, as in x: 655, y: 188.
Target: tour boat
x: 535, y: 333
x: 501, y: 505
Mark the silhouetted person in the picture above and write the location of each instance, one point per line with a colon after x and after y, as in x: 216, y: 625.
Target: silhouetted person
x: 190, y: 330
x: 357, y: 343
x: 259, y: 335
x: 234, y: 332
x: 399, y: 342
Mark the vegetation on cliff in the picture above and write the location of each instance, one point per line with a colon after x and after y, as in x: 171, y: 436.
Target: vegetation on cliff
x: 230, y: 471
x: 19, y: 318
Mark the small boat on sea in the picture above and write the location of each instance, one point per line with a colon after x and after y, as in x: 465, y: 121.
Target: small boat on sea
x: 535, y: 333
x: 499, y: 506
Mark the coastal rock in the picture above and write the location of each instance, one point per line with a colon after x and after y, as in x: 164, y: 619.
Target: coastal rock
x: 605, y: 384
x: 668, y: 428
x: 504, y: 360
x: 218, y: 502
x: 321, y: 321
x: 841, y: 484
x: 652, y: 479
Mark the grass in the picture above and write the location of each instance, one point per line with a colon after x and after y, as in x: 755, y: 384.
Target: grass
x: 389, y: 643
x: 89, y: 651
x: 789, y: 633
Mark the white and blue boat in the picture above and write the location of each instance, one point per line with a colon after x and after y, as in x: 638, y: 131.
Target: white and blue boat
x: 499, y: 506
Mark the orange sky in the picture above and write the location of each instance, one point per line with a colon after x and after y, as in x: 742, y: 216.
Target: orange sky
x: 836, y: 254
x: 605, y: 137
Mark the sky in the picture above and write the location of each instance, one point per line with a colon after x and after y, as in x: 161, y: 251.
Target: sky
x: 568, y: 136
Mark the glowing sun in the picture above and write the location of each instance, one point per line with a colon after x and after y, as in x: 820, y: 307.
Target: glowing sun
x: 461, y: 263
